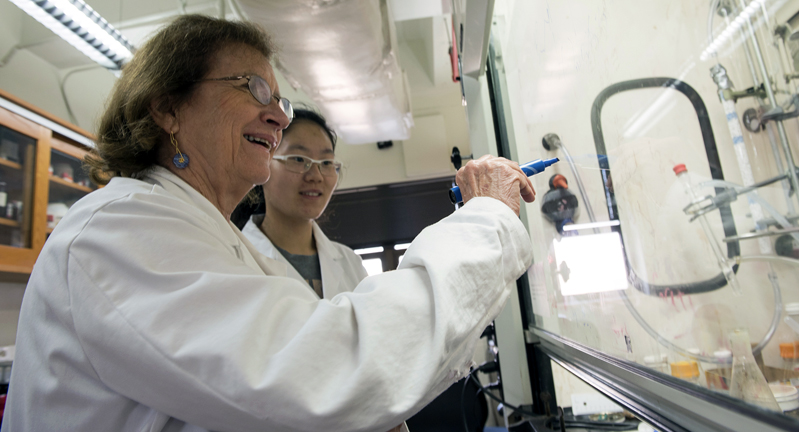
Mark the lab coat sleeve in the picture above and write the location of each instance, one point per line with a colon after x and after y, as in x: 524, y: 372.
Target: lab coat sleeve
x: 171, y: 319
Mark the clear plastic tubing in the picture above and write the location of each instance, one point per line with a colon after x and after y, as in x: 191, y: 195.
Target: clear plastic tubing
x: 721, y: 259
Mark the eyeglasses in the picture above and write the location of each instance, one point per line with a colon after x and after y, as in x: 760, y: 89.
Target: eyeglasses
x: 260, y: 90
x: 301, y: 164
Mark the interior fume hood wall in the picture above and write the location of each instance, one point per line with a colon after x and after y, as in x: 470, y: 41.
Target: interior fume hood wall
x: 558, y: 57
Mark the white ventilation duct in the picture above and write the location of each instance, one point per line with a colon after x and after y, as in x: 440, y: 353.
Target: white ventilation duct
x: 342, y: 53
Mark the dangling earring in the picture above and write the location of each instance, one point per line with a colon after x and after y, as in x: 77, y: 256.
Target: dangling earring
x: 180, y: 160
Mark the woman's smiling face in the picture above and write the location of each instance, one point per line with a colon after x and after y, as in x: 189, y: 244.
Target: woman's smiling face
x: 225, y: 131
x: 301, y: 196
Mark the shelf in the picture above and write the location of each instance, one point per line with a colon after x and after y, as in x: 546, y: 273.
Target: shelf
x: 8, y: 163
x: 69, y: 184
x: 8, y: 222
x: 49, y: 230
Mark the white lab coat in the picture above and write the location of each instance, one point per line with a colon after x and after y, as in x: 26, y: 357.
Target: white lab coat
x: 342, y: 268
x: 148, y: 311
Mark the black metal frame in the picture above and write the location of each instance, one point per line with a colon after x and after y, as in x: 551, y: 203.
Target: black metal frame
x: 728, y: 222
x: 662, y: 400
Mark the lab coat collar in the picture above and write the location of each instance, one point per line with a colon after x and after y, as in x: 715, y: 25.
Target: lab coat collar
x: 329, y: 261
x: 231, y: 235
x: 181, y: 189
x: 329, y: 255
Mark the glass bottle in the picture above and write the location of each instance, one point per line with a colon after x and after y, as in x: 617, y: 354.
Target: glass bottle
x: 686, y: 370
x: 3, y: 198
x: 702, y: 366
x: 718, y: 377
x: 747, y: 381
x: 789, y: 352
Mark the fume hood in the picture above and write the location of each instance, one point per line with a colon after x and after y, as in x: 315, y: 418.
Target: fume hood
x: 666, y: 253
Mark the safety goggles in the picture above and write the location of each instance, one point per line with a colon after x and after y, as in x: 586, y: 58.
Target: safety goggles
x: 301, y: 164
x: 260, y: 90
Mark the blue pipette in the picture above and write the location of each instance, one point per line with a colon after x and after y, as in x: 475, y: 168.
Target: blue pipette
x: 530, y: 168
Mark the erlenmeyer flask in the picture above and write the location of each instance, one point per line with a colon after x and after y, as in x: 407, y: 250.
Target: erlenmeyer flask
x: 747, y: 381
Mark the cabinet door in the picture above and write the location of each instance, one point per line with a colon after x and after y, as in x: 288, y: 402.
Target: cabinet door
x: 24, y: 156
x: 67, y: 179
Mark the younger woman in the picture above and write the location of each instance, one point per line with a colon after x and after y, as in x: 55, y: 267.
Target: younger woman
x: 304, y: 174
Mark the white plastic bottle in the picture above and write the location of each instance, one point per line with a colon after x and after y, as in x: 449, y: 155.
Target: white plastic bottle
x: 721, y: 258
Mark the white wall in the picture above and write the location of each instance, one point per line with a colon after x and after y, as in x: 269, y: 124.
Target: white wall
x: 558, y: 57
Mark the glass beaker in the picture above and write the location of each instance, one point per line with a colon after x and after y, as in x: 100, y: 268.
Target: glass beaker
x: 747, y: 381
x: 718, y: 377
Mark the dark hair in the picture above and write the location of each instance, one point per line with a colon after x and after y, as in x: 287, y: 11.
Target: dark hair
x: 164, y: 70
x: 304, y: 112
x: 254, y: 202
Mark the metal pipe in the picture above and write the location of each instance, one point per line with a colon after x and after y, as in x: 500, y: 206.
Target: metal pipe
x: 749, y: 61
x: 773, y: 101
x: 786, y: 182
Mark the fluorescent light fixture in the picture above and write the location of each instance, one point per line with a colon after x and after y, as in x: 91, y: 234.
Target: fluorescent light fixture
x: 731, y: 29
x: 590, y: 264
x: 370, y: 250
x: 77, y: 23
x: 401, y: 246
x: 575, y: 227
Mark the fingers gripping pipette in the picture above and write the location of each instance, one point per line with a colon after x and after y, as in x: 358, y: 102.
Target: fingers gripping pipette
x: 530, y: 169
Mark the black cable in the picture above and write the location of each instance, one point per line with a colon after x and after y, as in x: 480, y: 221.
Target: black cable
x: 463, y: 407
x: 565, y: 423
x: 491, y: 395
x: 603, y: 426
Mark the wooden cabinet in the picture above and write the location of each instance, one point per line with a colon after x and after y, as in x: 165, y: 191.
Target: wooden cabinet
x: 40, y: 169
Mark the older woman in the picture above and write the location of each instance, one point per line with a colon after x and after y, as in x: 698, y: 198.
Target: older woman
x: 148, y: 311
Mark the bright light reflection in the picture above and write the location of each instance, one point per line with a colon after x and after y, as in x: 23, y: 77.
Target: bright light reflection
x: 401, y: 246
x: 373, y: 266
x: 590, y: 264
x: 575, y: 227
x: 731, y: 29
x: 370, y: 250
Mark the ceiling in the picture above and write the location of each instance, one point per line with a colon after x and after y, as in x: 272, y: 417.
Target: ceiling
x: 423, y: 30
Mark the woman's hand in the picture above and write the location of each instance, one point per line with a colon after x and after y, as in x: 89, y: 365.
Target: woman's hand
x: 496, y: 178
